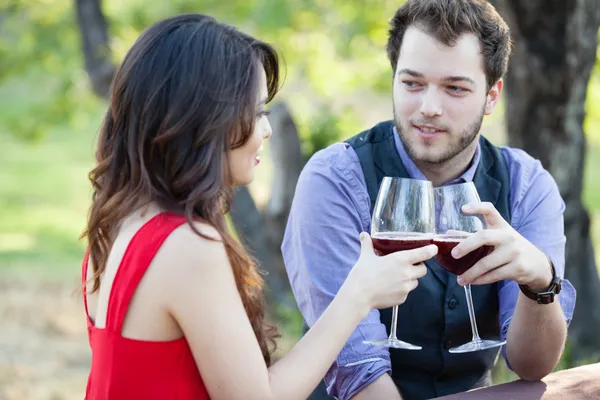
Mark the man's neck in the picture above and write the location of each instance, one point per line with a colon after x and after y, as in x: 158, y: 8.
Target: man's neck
x: 441, y: 173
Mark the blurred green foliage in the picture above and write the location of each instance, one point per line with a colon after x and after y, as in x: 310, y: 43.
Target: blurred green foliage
x: 332, y: 50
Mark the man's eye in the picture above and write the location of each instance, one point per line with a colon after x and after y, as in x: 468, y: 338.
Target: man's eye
x: 456, y: 89
x: 411, y: 84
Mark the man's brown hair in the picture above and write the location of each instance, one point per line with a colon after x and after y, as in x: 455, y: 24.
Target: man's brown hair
x: 447, y: 20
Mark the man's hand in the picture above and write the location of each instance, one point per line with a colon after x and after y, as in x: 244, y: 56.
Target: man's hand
x: 513, y: 257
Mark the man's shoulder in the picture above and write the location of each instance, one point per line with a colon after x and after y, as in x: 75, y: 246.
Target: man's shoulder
x: 375, y: 134
x: 336, y: 165
x: 526, y: 173
x: 518, y: 156
x: 338, y: 156
x: 521, y: 165
x: 514, y: 157
x: 341, y: 158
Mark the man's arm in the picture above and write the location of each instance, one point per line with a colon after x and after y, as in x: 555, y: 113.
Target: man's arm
x: 320, y: 246
x: 535, y: 339
x: 535, y: 333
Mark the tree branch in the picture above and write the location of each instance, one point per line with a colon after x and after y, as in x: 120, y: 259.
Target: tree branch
x: 95, y: 44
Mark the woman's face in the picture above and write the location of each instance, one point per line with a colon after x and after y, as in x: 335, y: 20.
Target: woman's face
x: 244, y: 159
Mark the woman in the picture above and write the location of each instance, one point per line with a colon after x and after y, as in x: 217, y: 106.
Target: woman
x: 174, y: 302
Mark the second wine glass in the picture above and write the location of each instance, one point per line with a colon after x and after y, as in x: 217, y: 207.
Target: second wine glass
x: 453, y: 226
x: 403, y: 219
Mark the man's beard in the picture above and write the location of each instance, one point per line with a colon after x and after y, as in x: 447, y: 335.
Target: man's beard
x: 467, y: 136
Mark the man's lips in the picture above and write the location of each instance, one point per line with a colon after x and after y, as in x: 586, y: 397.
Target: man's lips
x: 428, y: 131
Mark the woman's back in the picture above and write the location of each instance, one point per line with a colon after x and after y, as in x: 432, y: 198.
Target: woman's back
x: 138, y: 350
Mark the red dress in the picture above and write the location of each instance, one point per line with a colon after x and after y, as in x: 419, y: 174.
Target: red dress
x: 129, y: 369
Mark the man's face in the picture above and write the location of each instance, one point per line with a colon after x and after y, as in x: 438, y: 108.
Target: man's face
x: 440, y: 96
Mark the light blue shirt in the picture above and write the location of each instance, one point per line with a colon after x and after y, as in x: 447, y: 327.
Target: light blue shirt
x: 321, y: 244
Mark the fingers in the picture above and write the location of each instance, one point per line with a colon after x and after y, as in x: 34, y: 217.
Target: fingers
x: 403, y: 290
x: 415, y: 272
x: 495, y: 275
x: 411, y: 285
x: 481, y: 238
x: 491, y: 215
x: 416, y: 256
x: 496, y: 259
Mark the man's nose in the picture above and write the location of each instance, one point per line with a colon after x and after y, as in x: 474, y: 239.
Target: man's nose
x: 431, y: 105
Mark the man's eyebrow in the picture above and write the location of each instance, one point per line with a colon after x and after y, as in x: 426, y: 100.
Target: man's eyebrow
x: 458, y: 79
x: 445, y: 79
x: 411, y: 72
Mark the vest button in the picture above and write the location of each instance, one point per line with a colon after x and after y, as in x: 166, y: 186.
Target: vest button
x: 452, y: 303
x: 448, y: 344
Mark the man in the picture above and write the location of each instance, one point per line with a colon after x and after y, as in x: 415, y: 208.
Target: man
x: 448, y: 58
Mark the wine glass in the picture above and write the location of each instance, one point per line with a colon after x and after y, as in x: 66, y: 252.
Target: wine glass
x: 453, y: 226
x: 403, y: 219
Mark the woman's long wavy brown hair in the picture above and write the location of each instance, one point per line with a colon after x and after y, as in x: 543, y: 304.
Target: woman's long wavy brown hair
x: 184, y: 96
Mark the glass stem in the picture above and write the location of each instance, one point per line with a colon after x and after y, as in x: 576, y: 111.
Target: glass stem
x: 476, y: 337
x: 394, y: 323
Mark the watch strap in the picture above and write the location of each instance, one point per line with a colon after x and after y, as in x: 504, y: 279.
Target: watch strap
x: 545, y: 296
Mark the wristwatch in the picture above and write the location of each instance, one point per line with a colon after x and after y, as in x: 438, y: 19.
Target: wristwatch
x: 546, y: 296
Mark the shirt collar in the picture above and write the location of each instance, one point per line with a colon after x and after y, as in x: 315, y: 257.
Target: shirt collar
x: 415, y: 173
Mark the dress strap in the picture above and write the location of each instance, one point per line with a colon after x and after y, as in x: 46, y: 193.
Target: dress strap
x: 84, y: 268
x: 137, y: 258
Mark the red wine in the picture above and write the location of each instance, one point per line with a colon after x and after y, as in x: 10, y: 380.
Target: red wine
x: 463, y: 264
x: 389, y: 242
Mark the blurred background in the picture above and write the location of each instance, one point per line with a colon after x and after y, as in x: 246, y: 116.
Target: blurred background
x: 57, y: 58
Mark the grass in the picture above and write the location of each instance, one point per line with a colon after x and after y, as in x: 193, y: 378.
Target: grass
x: 44, y: 195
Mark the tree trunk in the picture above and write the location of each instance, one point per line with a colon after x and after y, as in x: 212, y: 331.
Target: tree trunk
x: 95, y: 44
x: 262, y: 232
x: 555, y: 51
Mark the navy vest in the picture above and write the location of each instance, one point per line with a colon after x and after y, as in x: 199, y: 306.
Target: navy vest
x: 435, y: 314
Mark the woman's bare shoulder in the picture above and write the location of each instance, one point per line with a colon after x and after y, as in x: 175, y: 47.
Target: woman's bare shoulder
x: 186, y: 252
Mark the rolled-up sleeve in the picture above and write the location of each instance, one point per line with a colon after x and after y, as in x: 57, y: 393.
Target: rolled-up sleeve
x: 320, y: 246
x: 538, y: 216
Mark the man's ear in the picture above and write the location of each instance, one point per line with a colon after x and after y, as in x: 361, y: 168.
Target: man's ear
x: 493, y: 96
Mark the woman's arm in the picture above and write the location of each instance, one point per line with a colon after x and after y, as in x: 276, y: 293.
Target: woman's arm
x: 205, y: 302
